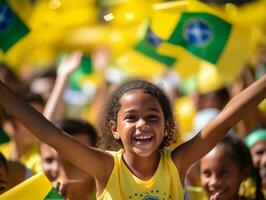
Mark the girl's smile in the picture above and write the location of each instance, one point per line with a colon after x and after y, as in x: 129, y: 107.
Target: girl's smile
x: 220, y: 174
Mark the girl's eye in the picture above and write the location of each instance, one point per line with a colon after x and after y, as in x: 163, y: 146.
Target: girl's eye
x: 206, y: 174
x: 153, y: 118
x: 224, y: 173
x: 259, y: 152
x: 130, y: 118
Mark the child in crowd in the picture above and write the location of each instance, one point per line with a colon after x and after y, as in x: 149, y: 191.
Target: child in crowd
x: 225, y: 167
x: 22, y: 146
x: 256, y: 141
x: 139, y: 117
x: 49, y: 161
x: 49, y: 156
x: 82, y: 185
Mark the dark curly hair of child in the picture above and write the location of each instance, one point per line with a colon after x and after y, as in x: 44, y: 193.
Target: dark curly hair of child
x: 113, y: 105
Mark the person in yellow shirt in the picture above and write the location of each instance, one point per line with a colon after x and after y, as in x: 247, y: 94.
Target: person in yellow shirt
x: 23, y: 146
x: 225, y: 169
x: 256, y: 141
x: 139, y: 118
x: 76, y: 184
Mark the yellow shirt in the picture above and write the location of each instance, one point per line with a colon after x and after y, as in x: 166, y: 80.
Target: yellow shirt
x: 248, y: 189
x: 122, y: 184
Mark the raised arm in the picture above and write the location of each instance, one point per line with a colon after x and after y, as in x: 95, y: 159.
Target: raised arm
x: 201, y: 144
x: 66, y: 67
x: 96, y: 162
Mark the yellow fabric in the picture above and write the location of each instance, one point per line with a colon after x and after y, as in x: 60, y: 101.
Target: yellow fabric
x: 134, y: 63
x: 195, y: 193
x: 92, y: 195
x: 185, y: 112
x: 209, y: 79
x: 31, y: 159
x: 122, y: 184
x: 248, y: 189
x: 230, y: 62
x: 34, y: 188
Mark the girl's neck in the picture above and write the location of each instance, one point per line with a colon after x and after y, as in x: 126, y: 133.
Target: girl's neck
x: 142, y: 167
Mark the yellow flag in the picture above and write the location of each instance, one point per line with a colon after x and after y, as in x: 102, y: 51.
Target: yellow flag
x: 37, y: 187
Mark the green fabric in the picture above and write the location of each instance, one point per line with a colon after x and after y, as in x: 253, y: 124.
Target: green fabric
x: 202, y: 34
x: 255, y: 136
x: 11, y: 27
x: 84, y: 69
x: 147, y: 46
x: 53, y: 195
x: 3, y: 136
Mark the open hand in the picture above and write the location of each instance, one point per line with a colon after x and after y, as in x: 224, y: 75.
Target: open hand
x: 69, y: 63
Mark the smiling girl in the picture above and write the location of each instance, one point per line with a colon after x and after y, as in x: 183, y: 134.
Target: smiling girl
x: 140, y: 118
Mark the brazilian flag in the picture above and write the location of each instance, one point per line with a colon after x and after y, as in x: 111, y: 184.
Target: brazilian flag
x: 12, y: 27
x: 143, y: 60
x: 204, y: 33
x: 147, y: 47
x: 36, y: 187
x: 85, y: 68
x: 3, y: 136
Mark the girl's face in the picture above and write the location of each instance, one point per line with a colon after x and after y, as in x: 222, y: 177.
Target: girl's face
x: 49, y: 161
x: 258, y: 152
x: 140, y: 123
x: 220, y: 174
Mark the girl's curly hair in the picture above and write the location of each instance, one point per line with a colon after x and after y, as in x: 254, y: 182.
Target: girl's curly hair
x: 113, y: 105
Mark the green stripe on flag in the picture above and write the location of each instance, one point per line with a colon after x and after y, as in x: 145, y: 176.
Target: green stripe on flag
x: 145, y: 47
x: 84, y: 69
x: 202, y: 34
x: 3, y: 136
x: 11, y: 27
x: 53, y: 195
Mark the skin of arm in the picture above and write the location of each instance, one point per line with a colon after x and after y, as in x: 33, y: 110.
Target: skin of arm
x: 193, y: 150
x: 94, y: 161
x: 65, y: 69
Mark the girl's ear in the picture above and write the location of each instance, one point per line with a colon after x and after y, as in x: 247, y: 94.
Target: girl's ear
x: 166, y: 128
x: 113, y: 127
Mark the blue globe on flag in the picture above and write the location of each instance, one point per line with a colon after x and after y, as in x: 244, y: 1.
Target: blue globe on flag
x: 153, y: 39
x: 198, y: 32
x: 5, y: 17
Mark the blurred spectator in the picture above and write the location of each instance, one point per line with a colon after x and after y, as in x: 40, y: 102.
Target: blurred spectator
x: 23, y: 145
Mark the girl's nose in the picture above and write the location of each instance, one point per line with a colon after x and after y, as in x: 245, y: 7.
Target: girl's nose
x: 142, y: 125
x: 263, y: 160
x: 214, y: 181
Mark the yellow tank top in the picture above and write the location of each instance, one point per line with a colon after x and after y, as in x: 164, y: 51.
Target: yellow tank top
x: 122, y: 184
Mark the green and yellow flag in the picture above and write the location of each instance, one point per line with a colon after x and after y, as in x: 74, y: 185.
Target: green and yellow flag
x: 143, y: 60
x: 37, y: 187
x: 203, y: 33
x: 12, y: 27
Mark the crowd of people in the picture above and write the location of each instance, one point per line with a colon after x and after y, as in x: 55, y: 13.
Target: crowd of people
x: 136, y: 150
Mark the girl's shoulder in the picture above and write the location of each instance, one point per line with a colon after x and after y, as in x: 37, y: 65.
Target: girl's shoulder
x: 116, y: 153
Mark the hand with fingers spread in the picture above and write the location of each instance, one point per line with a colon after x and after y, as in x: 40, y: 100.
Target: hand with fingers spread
x: 69, y: 63
x: 67, y: 66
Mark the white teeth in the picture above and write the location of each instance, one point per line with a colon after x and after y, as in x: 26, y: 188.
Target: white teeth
x: 142, y: 137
